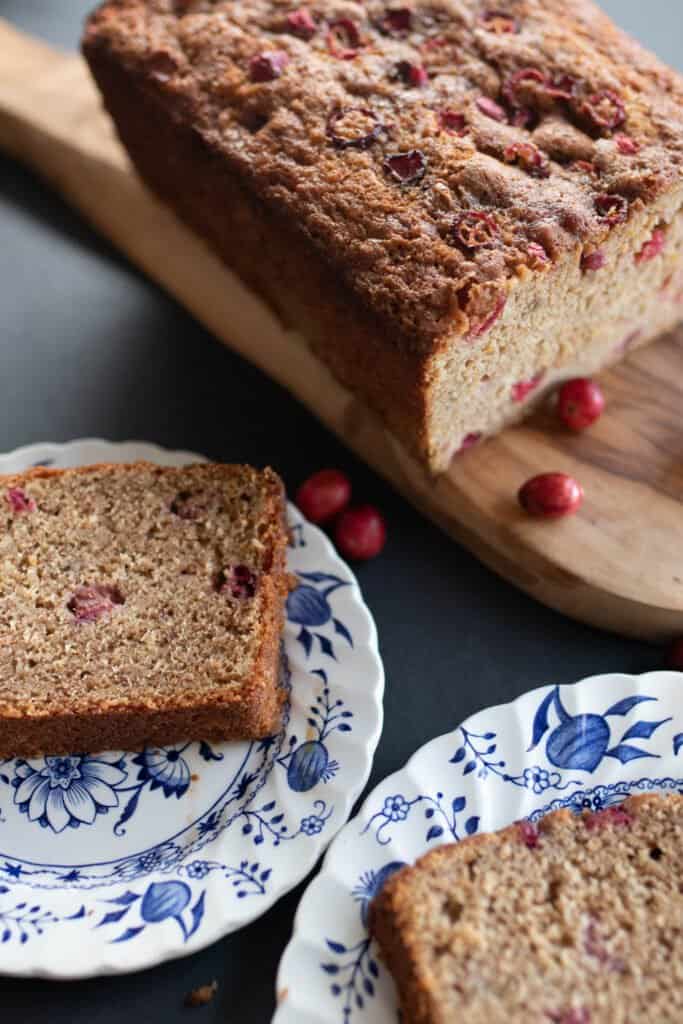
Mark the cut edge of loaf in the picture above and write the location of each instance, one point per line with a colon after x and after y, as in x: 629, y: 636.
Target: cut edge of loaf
x: 439, y: 400
x: 252, y: 711
x: 389, y: 925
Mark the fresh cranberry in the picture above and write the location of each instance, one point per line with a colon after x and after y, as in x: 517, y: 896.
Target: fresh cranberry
x: 604, y: 109
x: 626, y: 145
x: 343, y: 38
x: 469, y: 441
x: 499, y: 22
x: 491, y: 108
x: 360, y: 532
x: 353, y: 128
x: 674, y: 655
x: 524, y: 117
x: 300, y: 23
x: 453, y: 122
x: 593, y: 260
x: 652, y: 248
x: 237, y: 581
x: 598, y: 820
x: 90, y: 603
x: 487, y: 323
x: 186, y: 506
x: 397, y: 21
x: 522, y: 388
x: 412, y: 74
x: 20, y: 501
x: 550, y: 495
x: 324, y: 495
x: 612, y: 208
x: 528, y: 834
x: 475, y: 228
x: 538, y: 257
x: 580, y: 402
x: 529, y: 158
x: 407, y: 168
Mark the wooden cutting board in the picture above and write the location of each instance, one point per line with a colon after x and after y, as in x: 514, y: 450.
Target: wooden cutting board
x: 618, y: 564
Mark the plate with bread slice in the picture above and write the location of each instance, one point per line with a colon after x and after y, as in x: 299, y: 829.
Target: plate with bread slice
x: 524, y: 867
x: 191, y: 700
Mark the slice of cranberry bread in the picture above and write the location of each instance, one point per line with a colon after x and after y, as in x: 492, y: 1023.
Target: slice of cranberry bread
x: 576, y: 920
x: 139, y: 604
x: 456, y: 203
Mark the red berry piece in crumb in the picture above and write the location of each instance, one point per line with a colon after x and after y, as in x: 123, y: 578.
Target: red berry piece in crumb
x: 604, y: 109
x: 538, y: 257
x: 453, y: 122
x: 469, y: 441
x: 90, y: 603
x: 414, y: 75
x: 593, y: 260
x: 584, y: 167
x: 491, y: 108
x: 397, y: 21
x: 265, y: 67
x: 487, y: 323
x: 407, y: 168
x: 360, y: 532
x: 674, y: 655
x: 608, y: 816
x: 300, y: 23
x: 528, y: 834
x: 573, y: 1016
x: 474, y: 229
x: 343, y: 39
x: 499, y: 22
x: 612, y: 208
x: 550, y: 495
x: 561, y: 87
x: 518, y: 84
x: 528, y: 157
x: 522, y: 388
x: 652, y: 248
x: 324, y: 495
x: 580, y: 402
x: 353, y: 128
x: 626, y: 145
x: 20, y: 501
x: 236, y: 581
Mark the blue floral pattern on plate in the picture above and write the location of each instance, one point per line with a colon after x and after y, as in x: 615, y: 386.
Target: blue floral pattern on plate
x: 133, y: 857
x: 585, y: 746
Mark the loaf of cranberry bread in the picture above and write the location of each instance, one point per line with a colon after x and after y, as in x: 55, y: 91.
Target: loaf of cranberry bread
x: 575, y: 920
x: 139, y: 604
x: 456, y: 203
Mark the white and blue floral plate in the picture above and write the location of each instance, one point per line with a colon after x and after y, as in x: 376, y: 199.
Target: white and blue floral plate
x: 583, y: 746
x: 117, y: 861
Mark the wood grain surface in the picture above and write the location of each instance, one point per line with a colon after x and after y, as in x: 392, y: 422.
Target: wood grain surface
x: 618, y: 564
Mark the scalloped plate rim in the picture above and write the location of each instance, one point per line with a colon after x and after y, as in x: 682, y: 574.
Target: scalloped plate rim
x: 226, y: 923
x: 354, y: 828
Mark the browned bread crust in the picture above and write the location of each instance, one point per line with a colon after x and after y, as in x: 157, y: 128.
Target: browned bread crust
x: 570, y: 951
x: 390, y: 176
x: 139, y: 671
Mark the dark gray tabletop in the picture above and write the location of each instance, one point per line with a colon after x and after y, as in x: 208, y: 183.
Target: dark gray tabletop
x: 89, y: 347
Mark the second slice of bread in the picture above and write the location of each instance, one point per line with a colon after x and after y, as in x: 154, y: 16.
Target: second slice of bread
x: 139, y: 604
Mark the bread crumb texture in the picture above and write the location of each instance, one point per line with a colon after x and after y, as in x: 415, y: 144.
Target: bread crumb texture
x: 577, y: 920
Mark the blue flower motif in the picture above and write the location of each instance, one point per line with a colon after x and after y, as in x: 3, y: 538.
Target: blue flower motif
x: 197, y: 869
x: 537, y: 779
x: 163, y: 900
x: 396, y: 808
x: 61, y: 791
x: 165, y: 768
x: 312, y: 825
